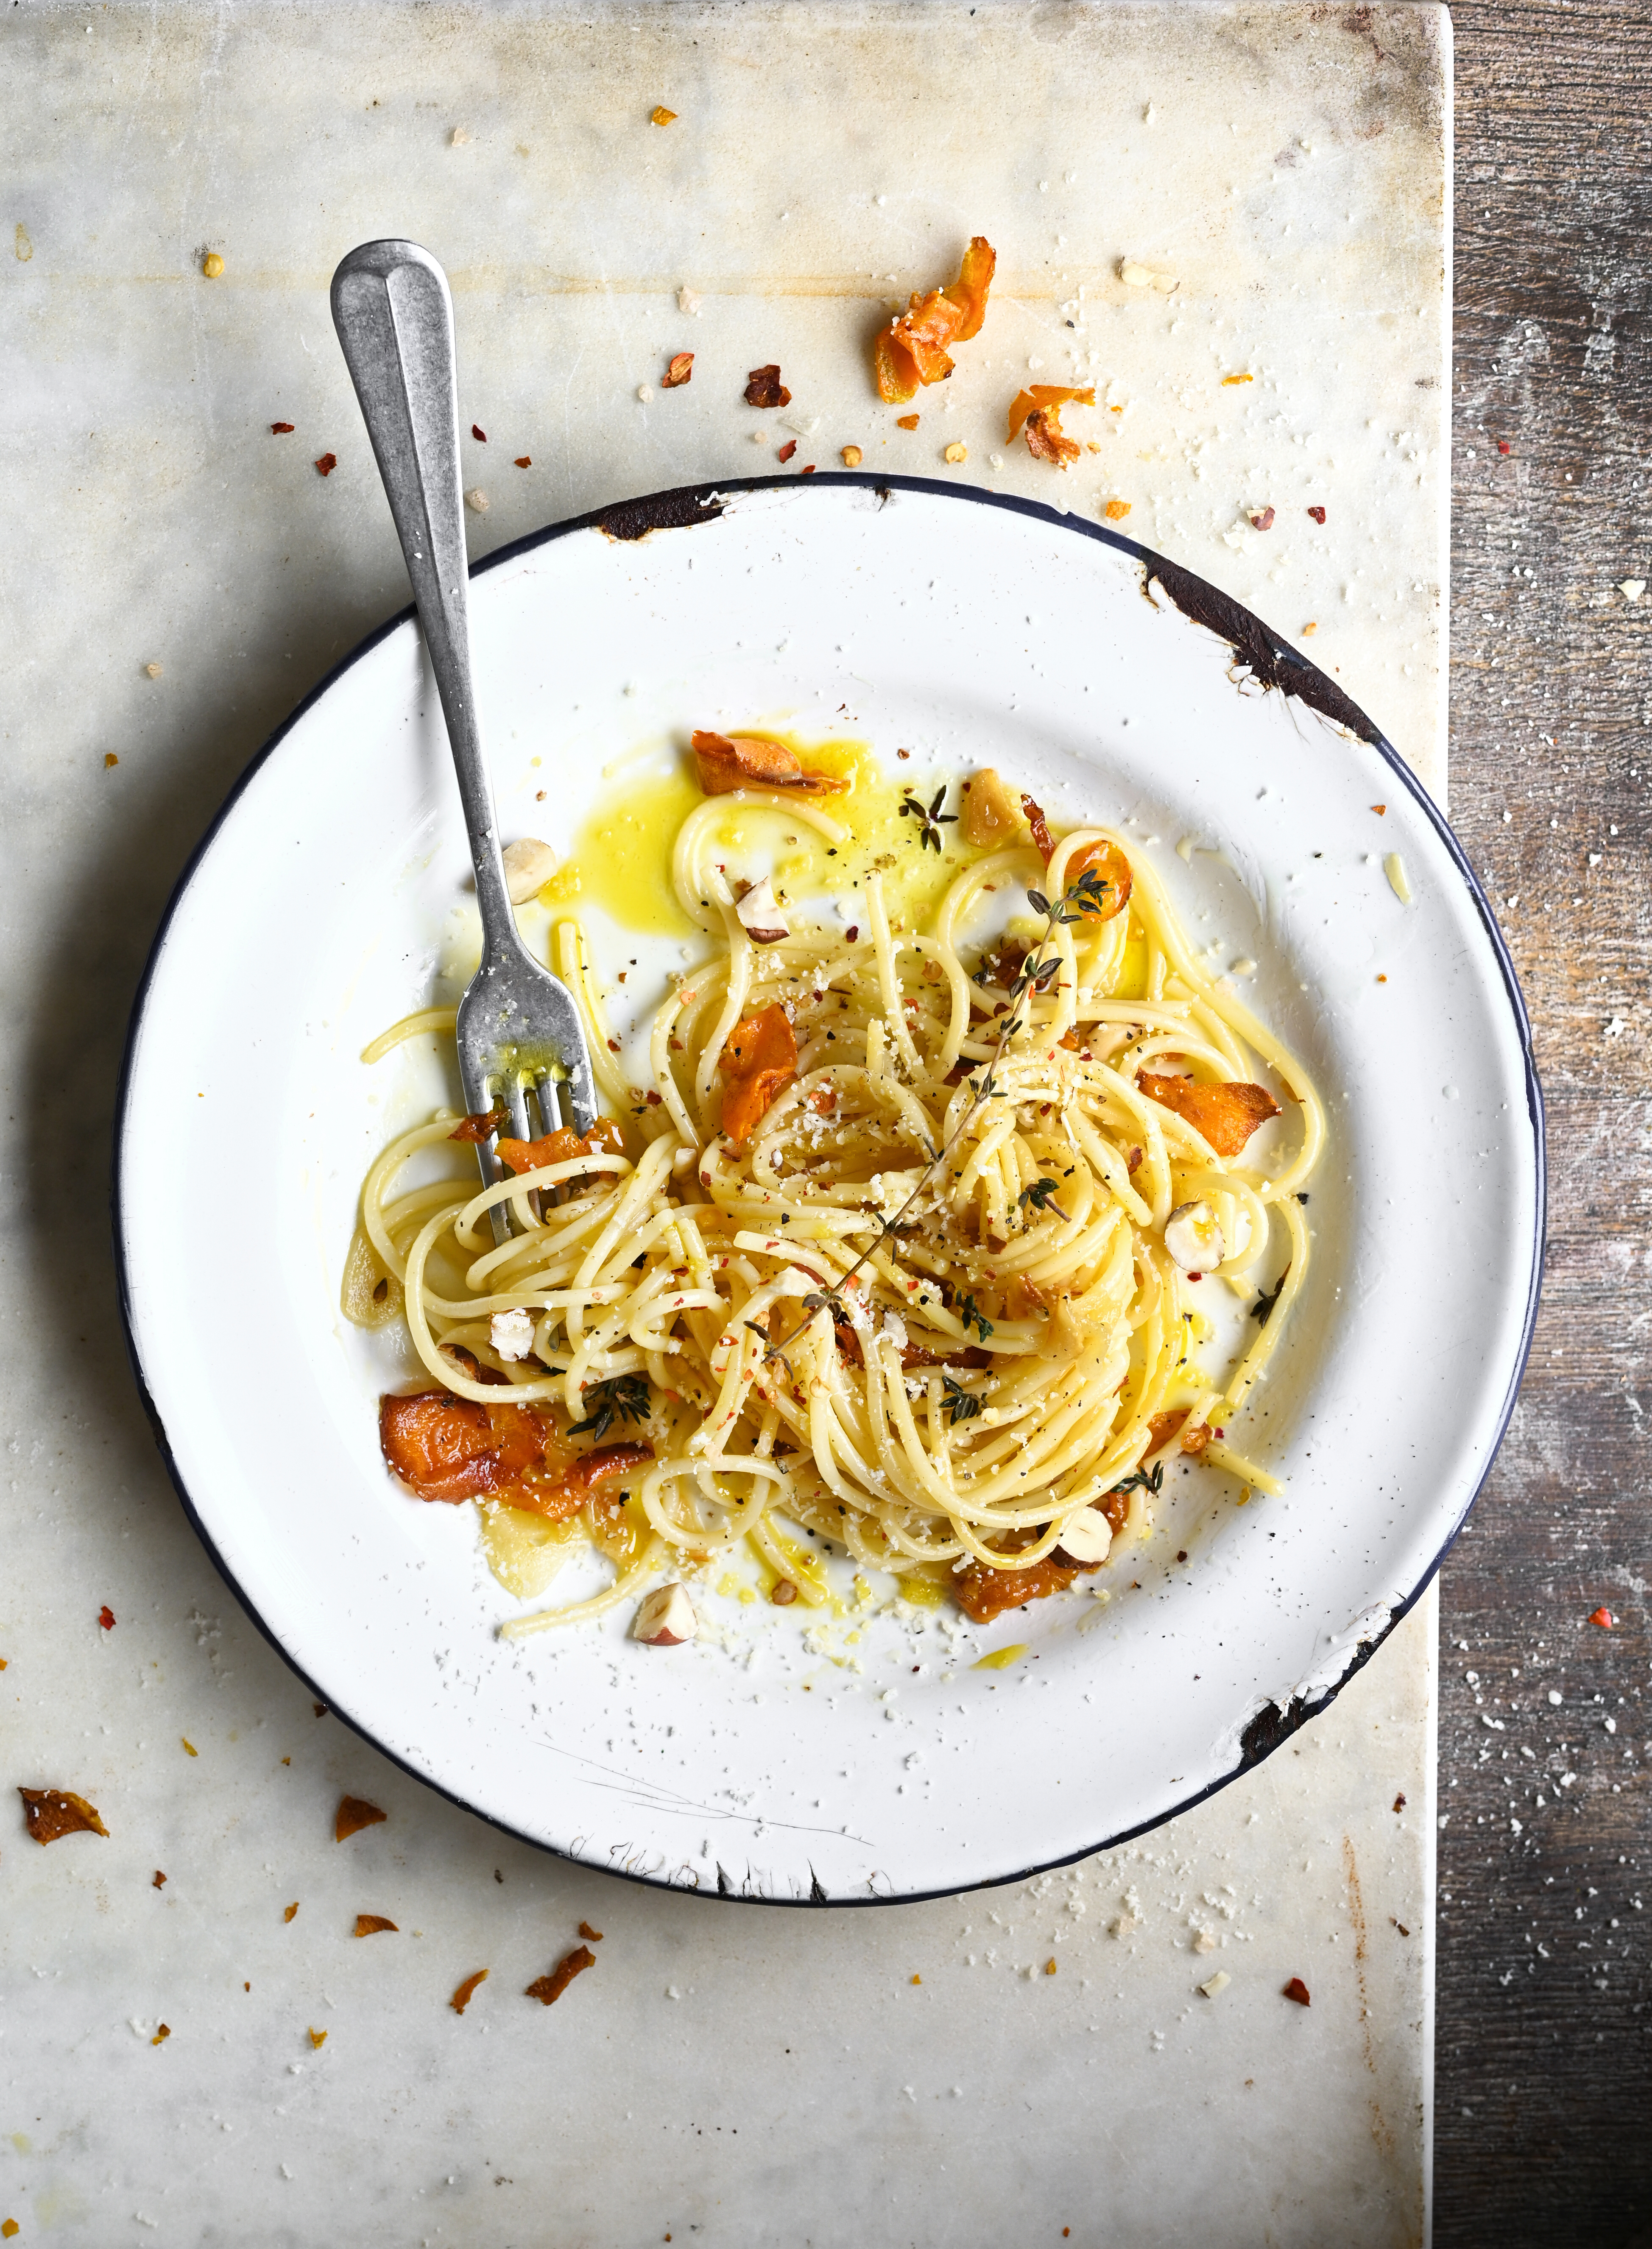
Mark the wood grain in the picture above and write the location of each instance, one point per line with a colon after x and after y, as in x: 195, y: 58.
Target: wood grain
x: 1544, y: 2027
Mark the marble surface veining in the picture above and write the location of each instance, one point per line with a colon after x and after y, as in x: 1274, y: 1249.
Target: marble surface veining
x: 723, y: 2074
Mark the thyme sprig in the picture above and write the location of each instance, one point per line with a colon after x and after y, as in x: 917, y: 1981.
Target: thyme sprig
x: 623, y: 1397
x: 1087, y: 896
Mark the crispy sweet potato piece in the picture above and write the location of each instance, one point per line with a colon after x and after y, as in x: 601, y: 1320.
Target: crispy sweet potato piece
x: 983, y: 1592
x: 561, y: 1146
x: 549, y: 1989
x: 893, y: 365
x: 1109, y: 865
x: 916, y: 347
x: 1226, y: 1115
x: 481, y: 1126
x: 354, y: 1813
x: 974, y: 280
x: 580, y: 1481
x: 466, y: 1991
x: 370, y: 1924
x: 50, y: 1813
x: 1163, y: 1427
x: 1047, y: 441
x: 1038, y: 397
x: 925, y: 329
x: 759, y: 1062
x: 746, y: 761
x: 453, y: 1449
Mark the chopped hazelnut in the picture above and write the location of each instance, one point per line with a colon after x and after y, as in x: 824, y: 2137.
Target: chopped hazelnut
x: 666, y: 1619
x: 1193, y: 1237
x: 760, y: 915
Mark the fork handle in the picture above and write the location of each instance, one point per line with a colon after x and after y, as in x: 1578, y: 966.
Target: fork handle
x: 394, y: 319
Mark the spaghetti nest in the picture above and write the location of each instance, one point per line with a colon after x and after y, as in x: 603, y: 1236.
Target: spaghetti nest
x: 887, y: 1254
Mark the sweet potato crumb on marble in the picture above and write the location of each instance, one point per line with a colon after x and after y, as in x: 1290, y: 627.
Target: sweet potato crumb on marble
x: 852, y: 456
x: 354, y: 1813
x: 317, y: 2039
x: 50, y: 1813
x: 291, y: 1910
x: 369, y: 1924
x: 591, y: 1936
x: 466, y: 1991
x: 162, y: 2034
x: 549, y: 1989
x: 660, y: 115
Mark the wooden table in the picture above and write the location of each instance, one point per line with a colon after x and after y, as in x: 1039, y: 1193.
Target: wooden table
x: 1543, y: 2048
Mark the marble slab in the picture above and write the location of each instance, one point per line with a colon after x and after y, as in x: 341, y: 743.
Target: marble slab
x: 1288, y: 168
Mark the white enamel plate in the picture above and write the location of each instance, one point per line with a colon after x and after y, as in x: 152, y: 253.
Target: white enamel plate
x: 330, y: 898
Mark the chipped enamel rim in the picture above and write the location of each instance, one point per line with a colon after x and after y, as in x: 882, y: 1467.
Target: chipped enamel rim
x: 959, y: 1841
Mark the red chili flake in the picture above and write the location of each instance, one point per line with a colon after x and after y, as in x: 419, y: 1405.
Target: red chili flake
x: 525, y: 460
x: 355, y: 1812
x: 1261, y: 518
x: 1604, y: 1618
x: 1379, y: 807
x: 159, y: 1881
x: 807, y: 469
x: 1296, y: 1989
x: 328, y: 463
x: 1503, y: 444
x: 480, y: 435
x: 853, y: 931
x: 680, y: 371
x: 613, y: 1046
x: 466, y: 1991
x: 1196, y: 1276
x: 764, y: 388
x: 369, y: 1924
x: 653, y: 1099
x: 1317, y: 513
x: 906, y: 421
x: 1040, y: 827
x: 280, y: 428
x: 549, y: 1989
x: 786, y: 450
x: 1400, y: 1801
x: 106, y: 1616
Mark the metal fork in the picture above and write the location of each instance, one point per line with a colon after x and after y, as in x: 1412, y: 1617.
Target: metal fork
x: 520, y: 1032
